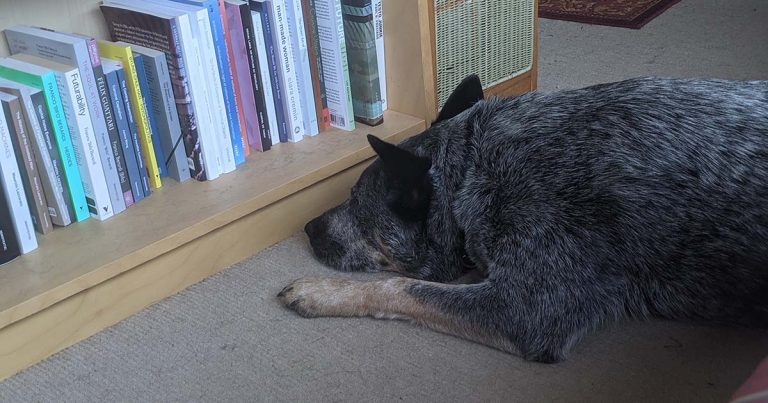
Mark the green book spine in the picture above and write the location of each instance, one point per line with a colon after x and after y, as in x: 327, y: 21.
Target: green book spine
x: 47, y: 83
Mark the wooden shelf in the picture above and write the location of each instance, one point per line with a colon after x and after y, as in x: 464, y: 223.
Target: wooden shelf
x: 91, y: 275
x: 80, y: 256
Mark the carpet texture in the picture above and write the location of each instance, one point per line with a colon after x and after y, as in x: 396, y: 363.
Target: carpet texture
x: 618, y: 13
x: 227, y: 338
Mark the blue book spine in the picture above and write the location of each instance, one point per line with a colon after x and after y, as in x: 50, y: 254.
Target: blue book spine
x: 225, y: 74
x: 134, y: 134
x: 124, y: 132
x: 141, y: 73
x: 274, y: 70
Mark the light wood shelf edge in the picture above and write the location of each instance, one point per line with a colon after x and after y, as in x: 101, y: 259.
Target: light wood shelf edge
x: 79, y: 316
x: 24, y: 290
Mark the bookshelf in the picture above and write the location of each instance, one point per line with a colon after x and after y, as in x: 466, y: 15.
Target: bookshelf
x: 90, y: 275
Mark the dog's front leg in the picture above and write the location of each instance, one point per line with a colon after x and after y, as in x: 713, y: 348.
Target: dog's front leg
x: 394, y: 299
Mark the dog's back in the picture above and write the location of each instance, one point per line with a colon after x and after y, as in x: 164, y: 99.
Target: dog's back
x: 655, y: 190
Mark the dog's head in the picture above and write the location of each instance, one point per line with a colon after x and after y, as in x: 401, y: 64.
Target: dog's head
x: 383, y: 226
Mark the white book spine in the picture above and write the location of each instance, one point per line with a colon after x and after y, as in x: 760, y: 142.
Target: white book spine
x: 378, y: 23
x: 10, y: 182
x: 92, y: 102
x: 303, y: 72
x: 62, y: 48
x: 266, y: 78
x: 215, y: 92
x: 89, y: 162
x: 282, y: 40
x: 206, y: 131
x: 333, y: 52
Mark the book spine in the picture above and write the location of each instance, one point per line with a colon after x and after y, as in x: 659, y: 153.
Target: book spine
x: 84, y: 145
x: 58, y: 197
x: 89, y: 64
x: 115, y: 147
x: 10, y: 182
x: 30, y: 174
x: 209, y: 143
x: 226, y: 80
x: 229, y: 30
x: 215, y: 92
x: 126, y: 142
x: 221, y: 90
x: 49, y: 178
x: 146, y: 189
x: 9, y: 244
x: 292, y: 99
x: 257, y: 119
x: 64, y: 144
x: 164, y: 108
x: 333, y: 51
x: 315, y: 65
x: 295, y: 18
x: 278, y: 131
x: 142, y: 122
x: 361, y: 50
x: 378, y: 22
x: 188, y: 119
x: 146, y: 100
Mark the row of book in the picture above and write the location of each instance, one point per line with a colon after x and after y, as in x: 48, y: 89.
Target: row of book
x: 185, y: 89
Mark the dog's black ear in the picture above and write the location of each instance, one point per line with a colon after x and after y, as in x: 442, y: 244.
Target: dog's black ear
x: 467, y: 93
x: 409, y: 185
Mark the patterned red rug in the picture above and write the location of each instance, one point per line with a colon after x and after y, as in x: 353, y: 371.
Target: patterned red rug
x: 617, y: 13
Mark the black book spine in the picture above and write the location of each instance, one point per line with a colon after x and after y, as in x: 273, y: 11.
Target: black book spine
x: 258, y: 84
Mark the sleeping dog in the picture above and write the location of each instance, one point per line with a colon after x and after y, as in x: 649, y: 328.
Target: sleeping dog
x: 636, y: 199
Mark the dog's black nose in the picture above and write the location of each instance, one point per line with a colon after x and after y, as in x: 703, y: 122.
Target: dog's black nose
x: 313, y: 229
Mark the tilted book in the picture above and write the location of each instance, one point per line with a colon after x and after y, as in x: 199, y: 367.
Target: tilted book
x: 12, y: 187
x: 333, y: 51
x: 316, y: 65
x: 109, y: 120
x: 360, y: 37
x: 295, y: 18
x: 123, y: 54
x: 73, y: 51
x: 30, y: 174
x: 134, y: 131
x: 16, y: 70
x: 269, y: 71
x: 141, y: 74
x: 44, y: 146
x: 164, y: 109
x: 201, y: 40
x: 246, y: 69
x: 378, y: 25
x: 132, y: 159
x: 161, y: 29
x: 224, y: 73
x: 281, y: 37
x: 81, y: 130
x: 230, y: 31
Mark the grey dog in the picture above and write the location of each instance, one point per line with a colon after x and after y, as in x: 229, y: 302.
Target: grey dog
x: 636, y: 199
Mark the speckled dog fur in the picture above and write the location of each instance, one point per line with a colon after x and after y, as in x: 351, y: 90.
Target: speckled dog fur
x: 641, y: 198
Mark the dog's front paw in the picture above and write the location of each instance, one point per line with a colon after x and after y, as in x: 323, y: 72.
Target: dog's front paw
x: 313, y: 297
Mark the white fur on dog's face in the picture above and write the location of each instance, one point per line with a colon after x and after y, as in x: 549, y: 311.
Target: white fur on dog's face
x: 363, y: 233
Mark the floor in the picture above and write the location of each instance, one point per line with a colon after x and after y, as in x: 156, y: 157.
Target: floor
x: 227, y: 338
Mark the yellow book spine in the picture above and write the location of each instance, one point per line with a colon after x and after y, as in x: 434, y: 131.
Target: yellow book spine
x: 125, y: 56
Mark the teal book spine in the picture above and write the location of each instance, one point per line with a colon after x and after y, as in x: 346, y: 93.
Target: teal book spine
x: 64, y: 141
x: 47, y: 83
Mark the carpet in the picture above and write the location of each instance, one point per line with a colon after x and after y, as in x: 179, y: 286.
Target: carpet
x: 617, y: 13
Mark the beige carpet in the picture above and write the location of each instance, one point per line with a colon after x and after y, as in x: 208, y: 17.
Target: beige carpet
x: 227, y: 339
